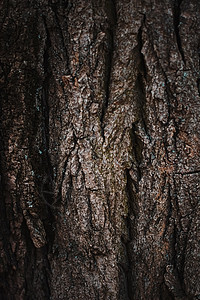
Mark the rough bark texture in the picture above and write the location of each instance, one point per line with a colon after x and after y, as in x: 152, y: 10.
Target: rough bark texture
x: 100, y: 105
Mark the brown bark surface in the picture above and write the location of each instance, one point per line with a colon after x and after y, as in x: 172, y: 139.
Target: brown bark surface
x: 99, y: 120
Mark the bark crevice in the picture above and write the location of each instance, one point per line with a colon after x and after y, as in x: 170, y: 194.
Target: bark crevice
x: 111, y: 12
x: 133, y: 211
x: 54, y: 7
x: 177, y: 14
x: 141, y: 80
x: 198, y: 86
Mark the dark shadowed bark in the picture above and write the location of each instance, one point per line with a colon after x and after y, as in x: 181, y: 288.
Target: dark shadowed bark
x: 99, y: 120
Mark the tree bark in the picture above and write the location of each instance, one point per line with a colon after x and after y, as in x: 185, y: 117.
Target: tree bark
x: 100, y: 149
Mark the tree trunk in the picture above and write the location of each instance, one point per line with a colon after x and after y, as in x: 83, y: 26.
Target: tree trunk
x: 100, y: 149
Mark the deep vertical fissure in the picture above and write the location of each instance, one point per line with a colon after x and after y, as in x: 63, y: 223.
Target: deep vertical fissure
x: 109, y: 61
x: 64, y: 46
x: 47, y: 186
x: 141, y: 80
x: 133, y: 210
x: 137, y: 148
x: 198, y: 86
x: 45, y: 100
x: 59, y: 196
x: 142, y: 65
x: 177, y: 13
x: 47, y: 74
x: 111, y: 33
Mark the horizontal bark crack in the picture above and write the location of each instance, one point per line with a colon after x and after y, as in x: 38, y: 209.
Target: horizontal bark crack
x: 188, y: 173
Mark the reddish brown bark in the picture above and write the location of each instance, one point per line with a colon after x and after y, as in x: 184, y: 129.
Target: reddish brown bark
x: 99, y: 149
